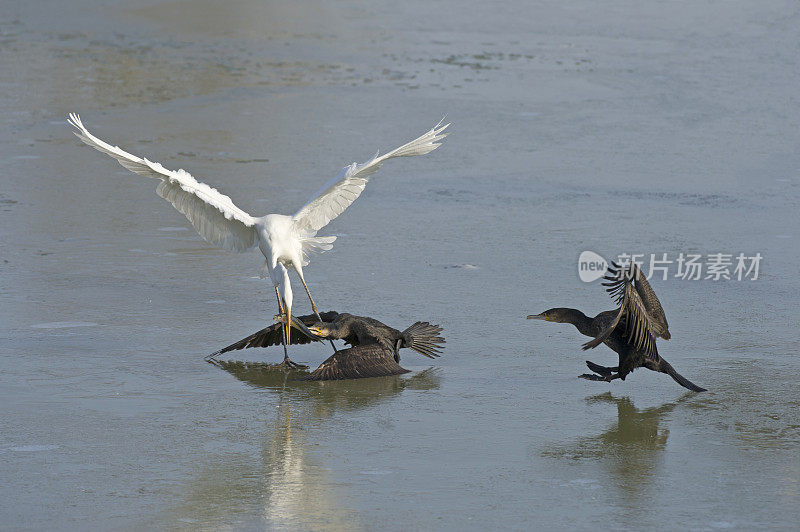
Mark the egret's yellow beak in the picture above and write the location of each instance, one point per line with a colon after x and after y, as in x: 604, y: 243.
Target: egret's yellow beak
x: 300, y: 326
x: 286, y: 326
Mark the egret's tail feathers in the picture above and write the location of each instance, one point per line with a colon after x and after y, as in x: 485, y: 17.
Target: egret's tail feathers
x: 424, y: 338
x: 318, y: 244
x: 315, y: 244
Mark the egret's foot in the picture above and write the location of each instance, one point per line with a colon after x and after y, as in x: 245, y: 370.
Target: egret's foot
x: 292, y: 365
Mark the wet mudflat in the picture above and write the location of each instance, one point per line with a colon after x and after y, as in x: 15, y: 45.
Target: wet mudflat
x: 621, y: 128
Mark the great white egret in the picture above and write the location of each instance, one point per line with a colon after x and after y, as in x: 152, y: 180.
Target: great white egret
x: 285, y: 241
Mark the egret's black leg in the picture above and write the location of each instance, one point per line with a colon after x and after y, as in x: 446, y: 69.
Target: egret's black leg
x: 283, y: 326
x: 314, y: 307
x: 601, y: 370
x: 286, y: 361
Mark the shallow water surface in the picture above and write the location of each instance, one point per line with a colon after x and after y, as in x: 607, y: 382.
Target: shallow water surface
x: 621, y: 127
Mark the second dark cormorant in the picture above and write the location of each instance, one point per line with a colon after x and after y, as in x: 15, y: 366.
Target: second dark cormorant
x: 631, y: 330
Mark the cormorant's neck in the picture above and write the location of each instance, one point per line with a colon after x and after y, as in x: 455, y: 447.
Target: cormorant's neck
x: 338, y: 330
x: 577, y: 318
x: 341, y: 327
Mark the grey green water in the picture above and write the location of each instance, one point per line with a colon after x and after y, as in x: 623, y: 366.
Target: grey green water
x: 617, y: 127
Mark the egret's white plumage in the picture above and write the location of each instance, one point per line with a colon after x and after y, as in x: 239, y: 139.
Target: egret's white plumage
x: 284, y: 240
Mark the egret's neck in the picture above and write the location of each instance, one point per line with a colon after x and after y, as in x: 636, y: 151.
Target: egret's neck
x: 284, y: 284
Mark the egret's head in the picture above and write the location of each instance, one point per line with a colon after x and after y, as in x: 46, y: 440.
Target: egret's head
x: 554, y: 314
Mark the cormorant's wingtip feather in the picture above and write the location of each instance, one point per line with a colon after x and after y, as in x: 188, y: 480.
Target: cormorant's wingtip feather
x: 213, y: 356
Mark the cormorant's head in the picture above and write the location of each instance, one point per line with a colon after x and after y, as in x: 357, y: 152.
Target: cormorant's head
x: 554, y: 314
x: 320, y: 329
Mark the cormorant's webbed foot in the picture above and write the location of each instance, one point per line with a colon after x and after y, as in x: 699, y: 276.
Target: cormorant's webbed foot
x: 593, y: 377
x: 601, y: 370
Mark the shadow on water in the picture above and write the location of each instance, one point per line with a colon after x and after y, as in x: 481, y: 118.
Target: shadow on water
x: 347, y: 394
x: 284, y: 484
x: 630, y: 451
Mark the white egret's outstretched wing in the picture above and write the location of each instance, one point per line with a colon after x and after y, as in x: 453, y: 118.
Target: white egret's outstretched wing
x: 341, y: 191
x: 212, y: 213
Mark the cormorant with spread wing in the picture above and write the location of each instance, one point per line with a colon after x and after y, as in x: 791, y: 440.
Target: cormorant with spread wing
x: 631, y: 330
x: 374, y: 350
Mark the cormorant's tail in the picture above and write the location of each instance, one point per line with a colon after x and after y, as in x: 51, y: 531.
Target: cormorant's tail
x: 424, y: 338
x: 665, y: 367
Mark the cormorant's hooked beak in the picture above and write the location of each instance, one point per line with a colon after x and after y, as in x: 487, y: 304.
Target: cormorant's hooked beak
x: 542, y: 316
x: 314, y: 332
x: 318, y: 334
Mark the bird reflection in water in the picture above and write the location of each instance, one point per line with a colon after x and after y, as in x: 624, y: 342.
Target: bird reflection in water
x: 286, y: 485
x: 630, y: 450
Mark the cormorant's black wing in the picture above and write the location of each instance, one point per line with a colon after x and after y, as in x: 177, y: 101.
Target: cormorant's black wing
x: 371, y: 360
x: 658, y: 321
x: 272, y: 335
x: 632, y: 310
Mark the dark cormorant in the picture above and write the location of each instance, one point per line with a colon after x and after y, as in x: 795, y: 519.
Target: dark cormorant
x: 375, y: 345
x: 631, y: 330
